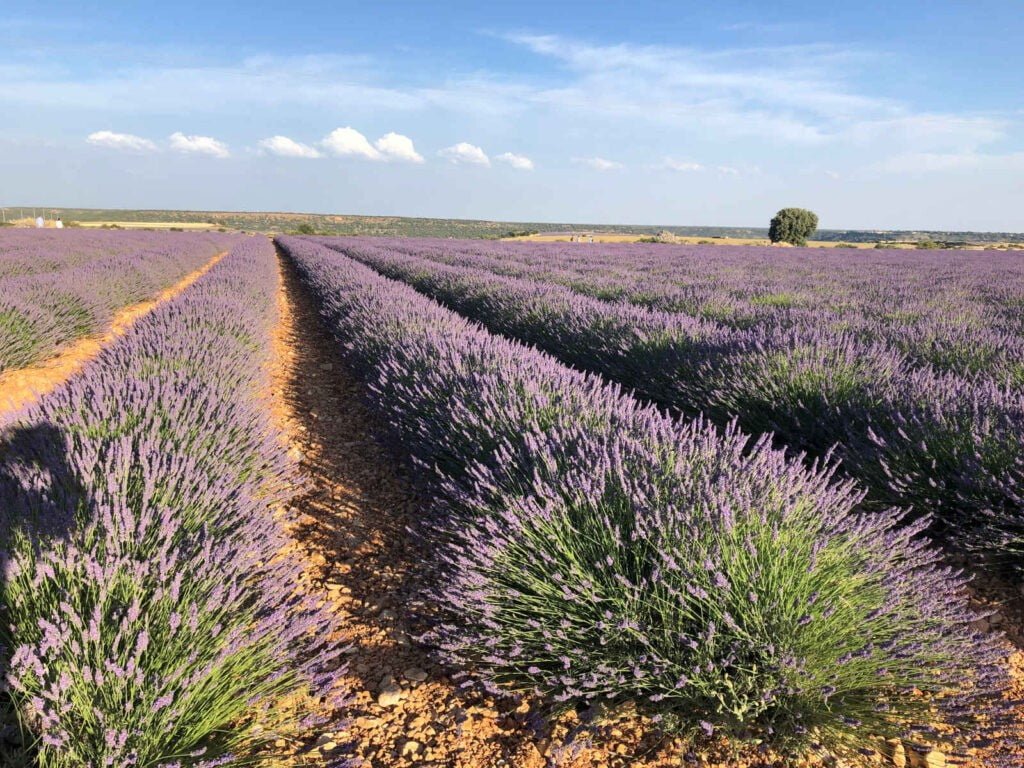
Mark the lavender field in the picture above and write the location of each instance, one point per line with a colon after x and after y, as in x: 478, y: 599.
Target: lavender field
x: 396, y: 502
x: 55, y: 288
x: 905, y: 369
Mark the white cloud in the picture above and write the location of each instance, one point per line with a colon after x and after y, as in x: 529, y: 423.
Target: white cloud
x: 810, y: 94
x: 285, y: 147
x: 954, y: 133
x: 125, y: 141
x: 931, y: 162
x: 200, y: 145
x: 684, y: 166
x: 519, y: 162
x: 598, y: 163
x: 395, y: 146
x: 465, y: 153
x: 728, y: 170
x: 797, y: 94
x: 348, y: 142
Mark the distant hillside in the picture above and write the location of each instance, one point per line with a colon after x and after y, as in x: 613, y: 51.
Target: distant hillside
x: 336, y: 224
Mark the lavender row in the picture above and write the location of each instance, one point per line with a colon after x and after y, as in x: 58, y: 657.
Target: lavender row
x: 34, y: 251
x: 954, y: 310
x: 41, y: 312
x: 148, y: 618
x: 946, y: 445
x: 592, y: 550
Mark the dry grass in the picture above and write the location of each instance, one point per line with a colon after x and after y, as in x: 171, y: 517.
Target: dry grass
x: 190, y: 225
x: 611, y: 237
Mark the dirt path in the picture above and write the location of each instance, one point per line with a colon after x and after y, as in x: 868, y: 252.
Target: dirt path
x: 353, y: 518
x: 24, y: 386
x: 354, y: 514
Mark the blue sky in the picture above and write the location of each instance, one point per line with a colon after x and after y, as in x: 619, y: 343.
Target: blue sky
x: 876, y: 115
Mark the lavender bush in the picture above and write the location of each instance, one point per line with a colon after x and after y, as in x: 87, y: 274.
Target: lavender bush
x: 55, y: 288
x: 945, y: 444
x: 592, y: 550
x: 148, y: 617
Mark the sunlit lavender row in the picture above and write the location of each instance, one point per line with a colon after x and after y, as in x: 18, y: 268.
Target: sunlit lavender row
x: 961, y: 311
x: 912, y: 435
x: 59, y: 285
x: 592, y: 550
x: 147, y: 617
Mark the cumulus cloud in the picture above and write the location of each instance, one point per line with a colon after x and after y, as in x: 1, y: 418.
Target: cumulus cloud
x: 285, y: 147
x: 395, y: 146
x: 125, y: 141
x: 200, y: 145
x: 598, y: 163
x: 348, y: 142
x: 465, y: 153
x: 519, y: 162
x: 684, y: 166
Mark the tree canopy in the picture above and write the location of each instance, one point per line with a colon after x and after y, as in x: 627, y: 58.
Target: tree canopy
x: 793, y: 225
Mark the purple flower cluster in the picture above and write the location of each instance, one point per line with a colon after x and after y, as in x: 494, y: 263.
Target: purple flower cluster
x: 58, y: 285
x: 948, y: 445
x: 593, y: 550
x: 149, y: 617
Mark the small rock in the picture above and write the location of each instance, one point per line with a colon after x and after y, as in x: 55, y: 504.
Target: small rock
x: 329, y: 746
x: 401, y: 638
x: 410, y: 748
x: 386, y: 615
x: 931, y: 759
x: 896, y: 754
x: 415, y: 674
x: 389, y: 692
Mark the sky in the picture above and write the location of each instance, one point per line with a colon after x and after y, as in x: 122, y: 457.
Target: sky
x: 876, y: 115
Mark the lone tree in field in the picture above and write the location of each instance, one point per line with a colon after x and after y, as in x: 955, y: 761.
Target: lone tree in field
x: 793, y: 225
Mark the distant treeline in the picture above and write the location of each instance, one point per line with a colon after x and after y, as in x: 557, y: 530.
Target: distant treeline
x: 332, y: 224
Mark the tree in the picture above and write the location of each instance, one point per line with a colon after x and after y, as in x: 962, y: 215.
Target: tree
x: 793, y: 225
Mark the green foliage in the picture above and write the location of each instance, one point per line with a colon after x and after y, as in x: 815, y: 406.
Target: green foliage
x: 793, y: 225
x: 516, y: 233
x: 928, y: 245
x: 20, y: 340
x: 785, y: 300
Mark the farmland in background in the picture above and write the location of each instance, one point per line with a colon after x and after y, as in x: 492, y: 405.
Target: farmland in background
x: 400, y: 226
